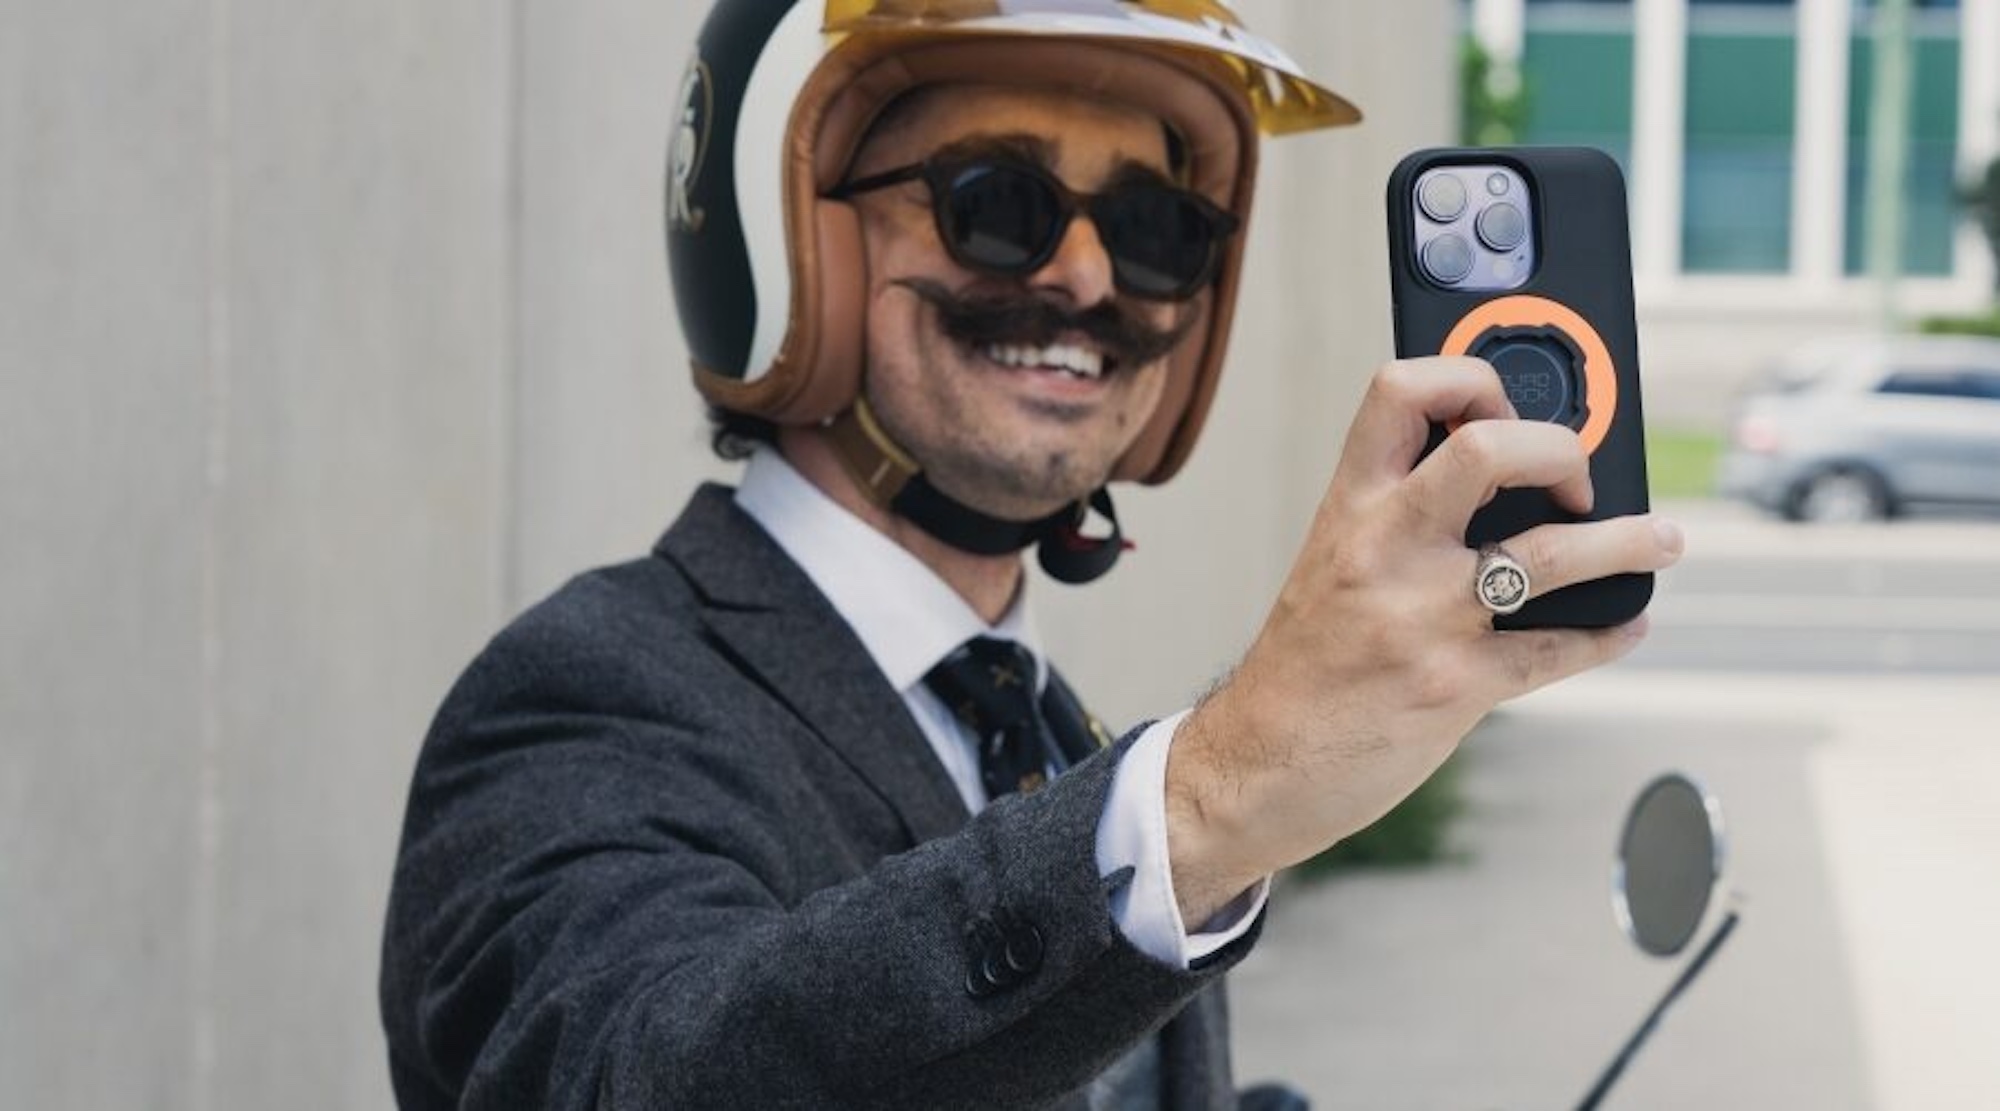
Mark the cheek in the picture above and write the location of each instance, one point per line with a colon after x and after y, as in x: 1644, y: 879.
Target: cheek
x: 899, y: 351
x: 899, y: 241
x: 1185, y: 319
x: 896, y: 317
x: 1146, y: 399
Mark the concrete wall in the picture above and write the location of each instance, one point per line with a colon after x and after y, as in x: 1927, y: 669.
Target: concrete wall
x: 256, y: 353
x: 335, y: 333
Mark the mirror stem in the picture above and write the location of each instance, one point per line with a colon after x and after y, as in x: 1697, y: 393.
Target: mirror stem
x: 1646, y: 1028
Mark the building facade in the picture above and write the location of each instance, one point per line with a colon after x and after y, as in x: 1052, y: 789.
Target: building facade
x: 1746, y: 131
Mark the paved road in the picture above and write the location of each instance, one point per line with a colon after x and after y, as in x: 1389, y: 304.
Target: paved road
x: 1920, y: 597
x: 1841, y: 691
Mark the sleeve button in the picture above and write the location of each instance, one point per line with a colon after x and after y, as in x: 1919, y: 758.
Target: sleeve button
x: 994, y: 968
x: 1024, y: 949
x: 976, y: 985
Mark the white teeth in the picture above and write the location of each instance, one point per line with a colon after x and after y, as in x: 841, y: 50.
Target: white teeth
x: 1079, y: 362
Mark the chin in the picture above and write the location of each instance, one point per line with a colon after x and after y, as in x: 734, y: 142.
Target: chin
x: 1019, y: 485
x: 1013, y: 431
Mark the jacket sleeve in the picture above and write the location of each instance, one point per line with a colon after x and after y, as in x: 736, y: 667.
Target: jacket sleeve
x: 599, y: 903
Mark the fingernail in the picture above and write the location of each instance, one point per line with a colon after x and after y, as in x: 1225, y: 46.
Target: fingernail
x: 1672, y: 540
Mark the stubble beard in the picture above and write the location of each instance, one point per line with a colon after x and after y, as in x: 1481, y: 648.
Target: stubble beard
x: 976, y: 462
x: 963, y: 457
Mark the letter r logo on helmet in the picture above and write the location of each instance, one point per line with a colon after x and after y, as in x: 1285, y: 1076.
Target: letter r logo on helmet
x: 689, y: 147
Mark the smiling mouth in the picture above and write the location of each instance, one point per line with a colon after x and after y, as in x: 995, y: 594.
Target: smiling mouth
x: 1067, y: 345
x: 1072, y: 360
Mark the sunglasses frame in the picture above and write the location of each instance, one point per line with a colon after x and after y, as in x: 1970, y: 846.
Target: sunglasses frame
x: 941, y: 175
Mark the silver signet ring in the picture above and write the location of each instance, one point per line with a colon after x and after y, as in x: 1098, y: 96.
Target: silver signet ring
x: 1501, y: 583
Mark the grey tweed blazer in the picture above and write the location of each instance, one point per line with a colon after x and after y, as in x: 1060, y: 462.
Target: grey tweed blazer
x: 674, y: 842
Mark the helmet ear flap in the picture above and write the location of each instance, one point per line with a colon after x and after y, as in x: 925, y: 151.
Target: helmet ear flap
x: 831, y: 290
x: 816, y: 372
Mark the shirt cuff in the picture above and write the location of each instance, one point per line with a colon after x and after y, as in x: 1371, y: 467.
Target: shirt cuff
x: 1133, y: 834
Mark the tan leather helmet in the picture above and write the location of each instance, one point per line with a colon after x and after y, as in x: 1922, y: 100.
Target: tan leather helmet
x: 768, y: 273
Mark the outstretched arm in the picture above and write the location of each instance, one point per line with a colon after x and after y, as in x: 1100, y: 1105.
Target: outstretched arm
x: 1376, y: 660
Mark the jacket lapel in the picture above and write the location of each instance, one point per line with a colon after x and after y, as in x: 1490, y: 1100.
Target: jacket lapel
x: 765, y: 610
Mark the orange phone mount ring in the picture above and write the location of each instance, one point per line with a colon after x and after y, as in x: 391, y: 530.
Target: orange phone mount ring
x: 1524, y: 315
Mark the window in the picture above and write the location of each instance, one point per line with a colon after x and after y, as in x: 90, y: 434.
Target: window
x: 1931, y: 173
x: 1741, y: 113
x: 1576, y: 66
x: 1931, y: 383
x: 1985, y: 383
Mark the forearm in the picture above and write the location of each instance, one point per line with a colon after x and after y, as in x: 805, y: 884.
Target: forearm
x: 1377, y: 658
x: 898, y: 954
x: 1211, y: 838
x: 675, y: 976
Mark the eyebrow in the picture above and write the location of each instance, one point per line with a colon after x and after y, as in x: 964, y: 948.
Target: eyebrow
x: 1039, y: 151
x: 1017, y: 145
x: 1131, y: 171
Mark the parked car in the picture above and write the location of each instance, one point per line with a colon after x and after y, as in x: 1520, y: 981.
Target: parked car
x: 1871, y: 430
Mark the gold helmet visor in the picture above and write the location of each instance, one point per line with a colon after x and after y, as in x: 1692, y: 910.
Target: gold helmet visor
x: 1284, y: 99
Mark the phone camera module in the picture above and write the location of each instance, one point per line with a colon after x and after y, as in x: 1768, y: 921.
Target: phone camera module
x: 1503, y: 227
x: 1448, y: 259
x: 1470, y: 226
x: 1442, y: 197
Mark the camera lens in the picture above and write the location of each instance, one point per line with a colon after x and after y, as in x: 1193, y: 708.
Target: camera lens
x: 1503, y: 227
x: 1448, y: 259
x: 1442, y: 197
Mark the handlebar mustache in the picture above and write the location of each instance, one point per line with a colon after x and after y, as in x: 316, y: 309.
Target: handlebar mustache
x: 980, y: 320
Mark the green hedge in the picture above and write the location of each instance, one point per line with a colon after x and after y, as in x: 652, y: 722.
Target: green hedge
x: 1988, y: 325
x: 1414, y: 833
x: 1681, y: 463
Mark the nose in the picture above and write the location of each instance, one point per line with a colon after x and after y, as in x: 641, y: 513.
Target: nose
x: 1080, y: 270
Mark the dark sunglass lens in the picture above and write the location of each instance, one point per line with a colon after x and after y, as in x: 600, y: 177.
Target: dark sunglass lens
x: 1161, y: 241
x: 999, y: 217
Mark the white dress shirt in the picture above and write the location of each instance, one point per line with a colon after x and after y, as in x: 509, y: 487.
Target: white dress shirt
x: 909, y: 619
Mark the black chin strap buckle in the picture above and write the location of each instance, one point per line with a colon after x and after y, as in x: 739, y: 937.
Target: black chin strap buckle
x: 1071, y: 557
x: 1065, y: 551
x: 892, y: 480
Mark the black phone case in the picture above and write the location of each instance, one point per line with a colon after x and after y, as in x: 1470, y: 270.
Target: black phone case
x: 1585, y: 265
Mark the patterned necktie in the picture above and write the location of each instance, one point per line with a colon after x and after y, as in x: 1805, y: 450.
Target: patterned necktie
x: 990, y: 685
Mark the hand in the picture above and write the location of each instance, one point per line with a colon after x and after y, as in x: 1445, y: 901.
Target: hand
x: 1377, y: 659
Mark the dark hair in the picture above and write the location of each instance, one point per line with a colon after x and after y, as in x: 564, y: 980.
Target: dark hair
x: 735, y: 436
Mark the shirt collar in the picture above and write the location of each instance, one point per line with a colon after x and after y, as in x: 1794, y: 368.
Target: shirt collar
x: 905, y: 615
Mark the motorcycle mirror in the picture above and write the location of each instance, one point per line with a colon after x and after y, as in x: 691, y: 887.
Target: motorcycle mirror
x: 1670, y: 859
x: 1669, y: 862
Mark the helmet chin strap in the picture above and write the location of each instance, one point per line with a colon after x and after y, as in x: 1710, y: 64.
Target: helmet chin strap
x: 895, y: 482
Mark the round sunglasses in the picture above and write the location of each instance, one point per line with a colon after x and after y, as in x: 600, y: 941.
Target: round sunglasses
x: 1009, y: 218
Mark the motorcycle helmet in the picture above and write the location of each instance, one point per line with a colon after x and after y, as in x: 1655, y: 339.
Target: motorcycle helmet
x: 768, y: 271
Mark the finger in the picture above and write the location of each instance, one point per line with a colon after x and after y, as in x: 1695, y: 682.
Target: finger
x: 1485, y: 457
x: 1528, y: 661
x: 1556, y: 556
x: 1406, y: 398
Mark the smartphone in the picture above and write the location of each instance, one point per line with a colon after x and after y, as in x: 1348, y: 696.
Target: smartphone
x: 1522, y: 256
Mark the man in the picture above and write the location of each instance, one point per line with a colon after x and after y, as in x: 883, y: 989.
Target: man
x: 766, y: 819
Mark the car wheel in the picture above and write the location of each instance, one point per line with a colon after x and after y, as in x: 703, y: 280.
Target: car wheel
x: 1842, y: 495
